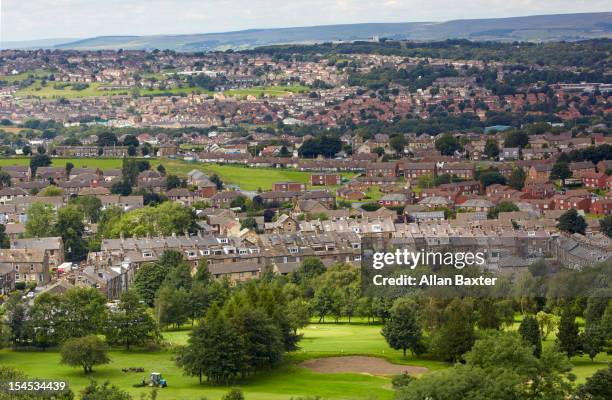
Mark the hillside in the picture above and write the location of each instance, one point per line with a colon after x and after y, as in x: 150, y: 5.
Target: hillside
x: 531, y: 28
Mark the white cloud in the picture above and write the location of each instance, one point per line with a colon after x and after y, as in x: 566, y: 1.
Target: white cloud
x: 34, y: 19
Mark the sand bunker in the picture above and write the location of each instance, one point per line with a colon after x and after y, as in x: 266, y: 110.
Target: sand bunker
x: 360, y: 365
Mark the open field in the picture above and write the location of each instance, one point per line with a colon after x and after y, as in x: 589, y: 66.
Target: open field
x: 96, y: 89
x: 284, y: 382
x: 247, y: 178
x: 290, y: 379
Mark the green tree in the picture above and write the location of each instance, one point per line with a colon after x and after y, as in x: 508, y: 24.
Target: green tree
x: 90, y: 207
x: 94, y: 391
x: 82, y: 312
x: 397, y: 143
x: 491, y: 148
x: 71, y: 228
x: 597, y: 387
x: 16, y: 319
x: 530, y: 332
x: 548, y: 323
x: 215, y: 349
x: 39, y: 160
x: 172, y: 306
x: 51, y: 191
x: 447, y: 144
x: 130, y: 324
x: 593, y: 340
x: 5, y: 179
x: 402, y: 330
x: 502, y: 206
x: 605, y: 225
x: 456, y: 335
x: 44, y: 320
x: 39, y: 222
x: 568, y: 335
x: 571, y: 222
x: 4, y: 238
x: 147, y: 281
x: 85, y: 352
x: 560, y: 170
x: 517, y: 178
x: 173, y: 181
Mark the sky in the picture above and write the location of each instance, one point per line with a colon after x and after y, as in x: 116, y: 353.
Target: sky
x: 22, y: 20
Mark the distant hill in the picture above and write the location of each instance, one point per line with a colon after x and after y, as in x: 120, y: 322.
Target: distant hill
x: 568, y: 27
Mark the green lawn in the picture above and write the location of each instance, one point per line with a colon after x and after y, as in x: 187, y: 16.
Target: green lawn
x: 289, y: 380
x: 246, y: 178
x: 95, y: 89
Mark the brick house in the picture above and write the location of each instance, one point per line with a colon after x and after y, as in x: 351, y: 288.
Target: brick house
x: 461, y: 170
x: 539, y: 172
x: 325, y: 179
x: 288, y: 187
x: 579, y: 169
x: 388, y: 169
x: 413, y: 171
x: 602, y: 207
x: 595, y: 180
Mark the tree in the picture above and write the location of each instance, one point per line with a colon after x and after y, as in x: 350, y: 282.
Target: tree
x: 547, y: 322
x: 131, y: 323
x: 516, y: 138
x: 69, y: 168
x: 568, y: 335
x: 85, y: 352
x: 249, y: 223
x: 16, y: 319
x: 39, y: 160
x: 593, y: 340
x: 403, y: 331
x: 310, y: 268
x: 71, y: 228
x: 571, y: 222
x: 130, y: 140
x: 517, y: 178
x: 51, y: 191
x: 456, y: 335
x: 215, y: 349
x: 173, y: 181
x: 44, y: 321
x: 597, y: 387
x: 298, y: 314
x: 39, y: 222
x: 217, y: 181
x: 447, y: 144
x: 502, y: 206
x: 172, y: 306
x: 491, y: 177
x: 491, y: 148
x: 4, y: 238
x: 161, y: 169
x: 147, y: 281
x: 397, y: 143
x: 530, y: 332
x: 560, y: 170
x: 82, y: 312
x: 122, y: 187
x: 605, y: 225
x: 107, y: 139
x: 93, y: 391
x: 90, y: 206
x: 5, y: 179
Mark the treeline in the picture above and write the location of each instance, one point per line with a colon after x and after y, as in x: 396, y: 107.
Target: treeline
x: 588, y: 53
x: 419, y: 77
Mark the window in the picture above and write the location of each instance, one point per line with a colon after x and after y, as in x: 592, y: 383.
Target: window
x: 293, y: 250
x: 205, y: 252
x: 146, y: 254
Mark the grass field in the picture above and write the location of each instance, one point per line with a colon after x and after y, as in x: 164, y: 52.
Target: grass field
x: 288, y: 380
x: 247, y: 178
x: 96, y: 89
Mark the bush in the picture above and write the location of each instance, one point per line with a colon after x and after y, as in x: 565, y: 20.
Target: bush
x: 370, y: 206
